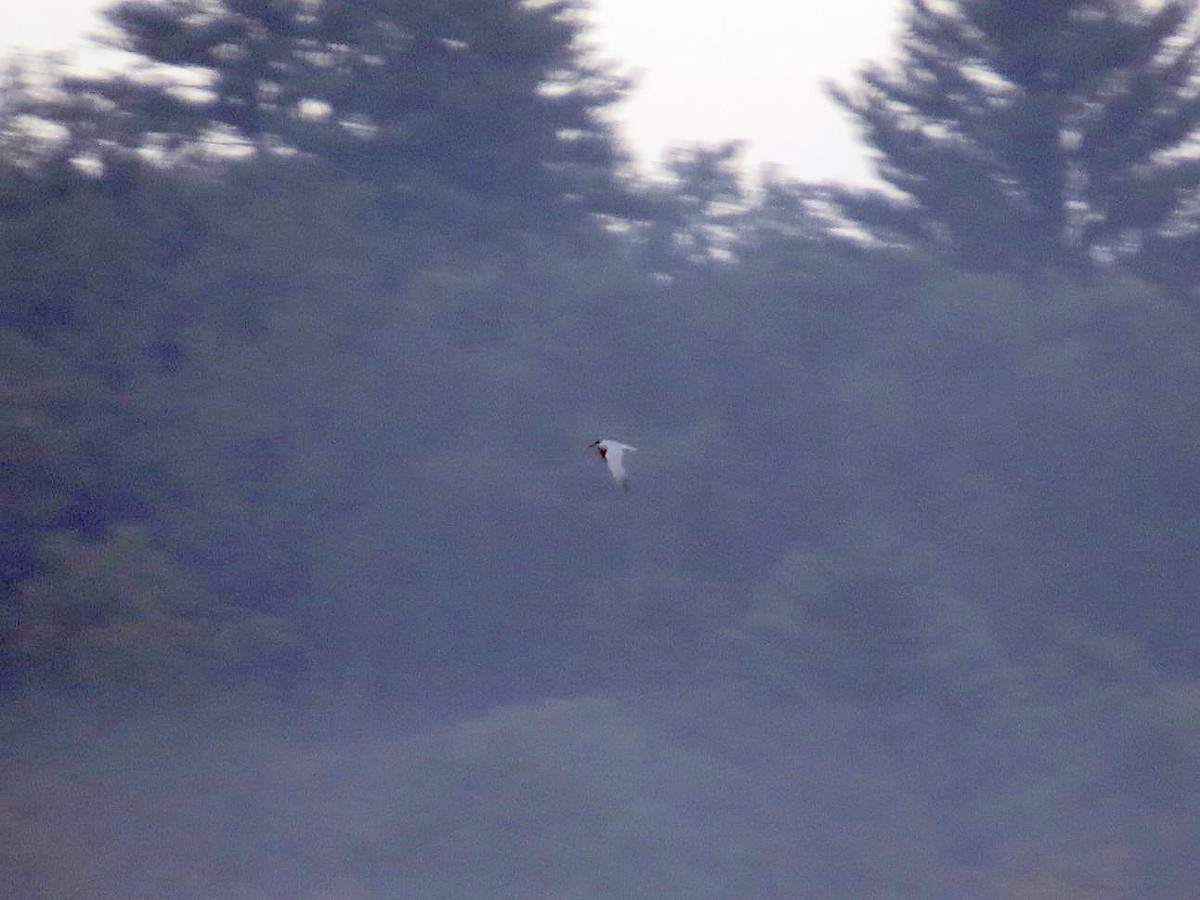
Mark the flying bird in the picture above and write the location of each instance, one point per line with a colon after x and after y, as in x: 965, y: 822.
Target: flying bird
x: 612, y: 453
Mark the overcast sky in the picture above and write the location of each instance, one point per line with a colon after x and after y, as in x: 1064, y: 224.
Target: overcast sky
x: 748, y: 69
x: 709, y: 72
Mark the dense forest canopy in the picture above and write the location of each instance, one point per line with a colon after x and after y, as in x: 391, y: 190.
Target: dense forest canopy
x: 309, y: 586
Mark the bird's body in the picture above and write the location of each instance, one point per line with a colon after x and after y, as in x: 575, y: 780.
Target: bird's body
x: 613, y: 452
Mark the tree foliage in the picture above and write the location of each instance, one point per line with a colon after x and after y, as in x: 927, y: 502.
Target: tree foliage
x: 1041, y: 134
x: 485, y: 110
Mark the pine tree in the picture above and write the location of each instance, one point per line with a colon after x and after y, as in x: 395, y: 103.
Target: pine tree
x: 449, y: 104
x: 1036, y: 133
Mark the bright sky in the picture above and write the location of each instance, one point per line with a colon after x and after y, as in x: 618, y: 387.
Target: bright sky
x: 747, y: 69
x: 704, y: 72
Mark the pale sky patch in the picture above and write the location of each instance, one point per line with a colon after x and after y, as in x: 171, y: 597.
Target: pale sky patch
x: 47, y: 25
x: 751, y: 69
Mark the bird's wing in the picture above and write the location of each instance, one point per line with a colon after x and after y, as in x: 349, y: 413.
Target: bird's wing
x: 613, y: 458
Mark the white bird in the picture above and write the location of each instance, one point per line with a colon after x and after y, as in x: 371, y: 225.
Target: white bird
x: 612, y: 452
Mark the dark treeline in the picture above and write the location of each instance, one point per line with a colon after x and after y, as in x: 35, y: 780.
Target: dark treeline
x: 311, y: 589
